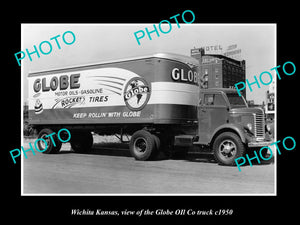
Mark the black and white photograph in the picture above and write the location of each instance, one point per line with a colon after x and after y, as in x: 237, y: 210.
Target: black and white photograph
x: 155, y: 113
x: 174, y: 113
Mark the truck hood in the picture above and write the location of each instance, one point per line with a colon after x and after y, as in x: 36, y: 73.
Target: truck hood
x: 246, y: 110
x: 252, y: 119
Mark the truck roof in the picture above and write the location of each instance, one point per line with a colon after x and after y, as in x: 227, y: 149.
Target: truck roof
x: 171, y: 56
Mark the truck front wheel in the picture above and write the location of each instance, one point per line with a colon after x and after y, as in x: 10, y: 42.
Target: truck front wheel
x: 143, y: 145
x: 227, y: 147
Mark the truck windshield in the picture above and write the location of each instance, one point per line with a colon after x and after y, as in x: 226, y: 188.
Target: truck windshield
x: 235, y: 100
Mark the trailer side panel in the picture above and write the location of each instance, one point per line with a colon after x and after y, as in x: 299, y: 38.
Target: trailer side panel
x: 133, y: 91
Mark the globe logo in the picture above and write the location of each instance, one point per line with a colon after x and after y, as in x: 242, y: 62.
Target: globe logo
x: 136, y: 93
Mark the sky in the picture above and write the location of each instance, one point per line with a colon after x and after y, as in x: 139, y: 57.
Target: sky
x: 103, y: 42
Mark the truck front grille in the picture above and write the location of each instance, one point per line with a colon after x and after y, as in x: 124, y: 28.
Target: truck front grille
x: 259, y: 125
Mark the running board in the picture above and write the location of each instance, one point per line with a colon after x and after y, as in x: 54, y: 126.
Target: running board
x: 184, y: 140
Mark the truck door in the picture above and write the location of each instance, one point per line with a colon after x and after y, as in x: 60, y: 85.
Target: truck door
x: 212, y: 112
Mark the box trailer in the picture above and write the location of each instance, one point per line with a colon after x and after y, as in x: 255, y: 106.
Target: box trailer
x: 155, y: 99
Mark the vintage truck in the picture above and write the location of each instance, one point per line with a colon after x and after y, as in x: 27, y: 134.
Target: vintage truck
x: 155, y: 99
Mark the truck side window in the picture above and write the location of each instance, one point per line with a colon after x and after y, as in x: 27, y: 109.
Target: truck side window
x: 208, y: 99
x: 219, y: 100
x: 214, y: 99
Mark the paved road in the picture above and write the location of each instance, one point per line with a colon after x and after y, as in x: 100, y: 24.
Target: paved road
x: 113, y: 171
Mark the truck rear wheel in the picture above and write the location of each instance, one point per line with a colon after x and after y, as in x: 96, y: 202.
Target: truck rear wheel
x: 81, y: 141
x: 143, y: 145
x: 227, y: 147
x: 50, y: 146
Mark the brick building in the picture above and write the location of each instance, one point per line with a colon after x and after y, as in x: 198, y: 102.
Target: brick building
x: 219, y: 71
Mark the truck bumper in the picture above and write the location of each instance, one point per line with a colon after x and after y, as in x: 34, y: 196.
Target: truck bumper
x: 259, y: 144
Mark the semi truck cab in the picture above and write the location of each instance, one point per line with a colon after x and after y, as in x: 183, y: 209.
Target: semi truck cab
x: 228, y: 125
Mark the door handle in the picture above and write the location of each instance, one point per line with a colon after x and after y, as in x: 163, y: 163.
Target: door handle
x: 203, y: 110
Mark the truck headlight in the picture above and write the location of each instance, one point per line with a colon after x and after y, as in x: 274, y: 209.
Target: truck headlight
x: 249, y: 126
x: 268, y: 128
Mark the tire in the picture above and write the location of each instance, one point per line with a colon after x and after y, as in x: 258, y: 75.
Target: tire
x: 156, y: 141
x: 81, y: 142
x: 51, y: 149
x: 143, y: 145
x: 227, y: 147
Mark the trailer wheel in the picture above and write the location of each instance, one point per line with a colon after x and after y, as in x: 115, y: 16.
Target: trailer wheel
x: 156, y: 141
x: 50, y: 146
x: 143, y: 145
x: 81, y: 141
x: 227, y: 147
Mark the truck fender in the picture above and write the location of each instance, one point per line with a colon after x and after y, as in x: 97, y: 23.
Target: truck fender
x: 231, y: 127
